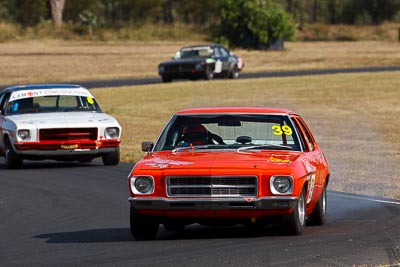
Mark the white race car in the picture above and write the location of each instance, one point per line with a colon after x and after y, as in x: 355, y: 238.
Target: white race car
x: 55, y: 121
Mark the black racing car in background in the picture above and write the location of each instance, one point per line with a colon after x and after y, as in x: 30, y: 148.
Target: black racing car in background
x: 201, y: 62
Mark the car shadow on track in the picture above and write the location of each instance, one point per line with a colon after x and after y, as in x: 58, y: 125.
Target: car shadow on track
x: 123, y: 234
x: 50, y: 164
x: 53, y: 164
x: 89, y: 236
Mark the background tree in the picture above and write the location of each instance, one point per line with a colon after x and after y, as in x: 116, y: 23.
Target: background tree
x: 252, y: 24
x: 90, y: 20
x: 26, y: 12
x: 369, y: 11
x: 332, y: 7
x: 72, y: 9
x: 246, y: 21
x: 195, y: 12
x: 140, y: 12
x: 57, y: 7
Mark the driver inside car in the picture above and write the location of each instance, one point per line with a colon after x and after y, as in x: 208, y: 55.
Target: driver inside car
x: 197, y: 134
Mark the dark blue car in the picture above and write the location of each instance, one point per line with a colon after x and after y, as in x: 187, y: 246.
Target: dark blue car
x: 201, y: 62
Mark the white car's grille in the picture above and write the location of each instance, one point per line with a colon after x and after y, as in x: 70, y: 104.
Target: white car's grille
x: 58, y: 134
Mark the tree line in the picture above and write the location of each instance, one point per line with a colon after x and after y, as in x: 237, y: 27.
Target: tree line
x: 125, y: 13
x: 259, y: 24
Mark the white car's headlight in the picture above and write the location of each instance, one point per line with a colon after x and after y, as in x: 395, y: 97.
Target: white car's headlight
x: 24, y: 134
x: 112, y: 132
x: 142, y: 184
x: 281, y: 184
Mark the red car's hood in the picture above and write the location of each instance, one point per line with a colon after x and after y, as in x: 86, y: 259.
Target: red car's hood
x: 215, y: 159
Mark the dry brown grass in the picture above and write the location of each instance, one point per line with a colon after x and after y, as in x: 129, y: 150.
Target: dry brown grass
x: 327, y: 32
x: 55, y: 61
x: 353, y: 116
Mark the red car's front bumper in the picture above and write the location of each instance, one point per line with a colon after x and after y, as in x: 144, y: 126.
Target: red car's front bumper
x: 215, y: 207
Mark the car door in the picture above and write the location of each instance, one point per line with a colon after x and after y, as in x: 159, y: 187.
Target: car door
x: 225, y: 59
x: 218, y: 60
x: 312, y: 160
x: 3, y: 104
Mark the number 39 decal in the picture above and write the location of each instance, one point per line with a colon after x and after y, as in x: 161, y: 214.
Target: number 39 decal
x: 279, y: 130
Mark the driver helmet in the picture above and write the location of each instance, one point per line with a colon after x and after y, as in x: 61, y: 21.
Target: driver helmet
x: 195, y: 134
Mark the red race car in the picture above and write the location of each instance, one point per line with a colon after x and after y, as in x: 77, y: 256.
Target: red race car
x: 229, y: 165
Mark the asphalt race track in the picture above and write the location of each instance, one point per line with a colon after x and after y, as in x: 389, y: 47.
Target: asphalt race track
x: 243, y: 75
x: 73, y: 214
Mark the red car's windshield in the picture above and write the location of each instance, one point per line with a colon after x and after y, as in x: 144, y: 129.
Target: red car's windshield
x: 229, y: 132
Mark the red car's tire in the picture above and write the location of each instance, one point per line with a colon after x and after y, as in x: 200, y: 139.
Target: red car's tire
x: 318, y: 216
x: 142, y: 227
x: 295, y: 222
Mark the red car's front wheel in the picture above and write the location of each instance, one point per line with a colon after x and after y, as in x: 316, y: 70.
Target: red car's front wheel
x: 295, y: 222
x: 142, y: 227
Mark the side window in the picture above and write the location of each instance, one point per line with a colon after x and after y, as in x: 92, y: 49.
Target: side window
x: 217, y: 52
x: 307, y: 135
x: 224, y: 53
x: 3, y: 102
x: 88, y: 103
x: 301, y: 136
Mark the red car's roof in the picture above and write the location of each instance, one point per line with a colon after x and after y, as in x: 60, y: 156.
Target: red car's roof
x: 246, y: 110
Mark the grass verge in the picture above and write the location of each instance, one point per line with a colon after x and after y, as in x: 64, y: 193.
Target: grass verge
x: 353, y: 117
x: 58, y: 61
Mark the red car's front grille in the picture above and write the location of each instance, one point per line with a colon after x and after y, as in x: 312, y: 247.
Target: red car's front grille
x: 66, y: 134
x: 212, y: 186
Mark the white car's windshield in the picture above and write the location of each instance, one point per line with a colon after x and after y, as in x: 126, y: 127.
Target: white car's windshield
x: 244, y: 132
x: 52, y: 103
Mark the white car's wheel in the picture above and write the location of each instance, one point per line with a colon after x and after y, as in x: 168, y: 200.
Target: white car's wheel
x: 111, y: 158
x: 12, y: 160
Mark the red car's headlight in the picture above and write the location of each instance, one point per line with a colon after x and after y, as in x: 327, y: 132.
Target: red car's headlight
x: 142, y: 184
x: 281, y: 184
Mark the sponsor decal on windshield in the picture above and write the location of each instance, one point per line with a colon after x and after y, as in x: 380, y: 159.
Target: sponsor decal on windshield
x: 90, y: 100
x: 49, y: 92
